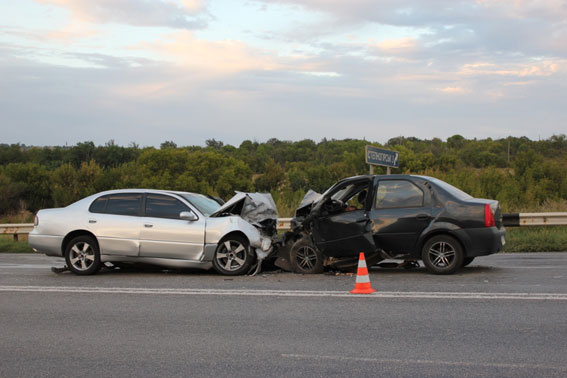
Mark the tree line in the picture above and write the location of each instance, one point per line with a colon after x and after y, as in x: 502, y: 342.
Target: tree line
x: 522, y: 174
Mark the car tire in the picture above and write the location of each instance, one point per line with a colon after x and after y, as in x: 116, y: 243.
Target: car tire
x: 442, y: 254
x: 83, y: 256
x: 233, y: 256
x: 306, y: 258
x: 467, y: 261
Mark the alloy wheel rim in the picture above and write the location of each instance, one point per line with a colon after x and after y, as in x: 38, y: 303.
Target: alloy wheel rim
x: 232, y: 256
x: 306, y: 258
x: 82, y: 256
x: 442, y: 254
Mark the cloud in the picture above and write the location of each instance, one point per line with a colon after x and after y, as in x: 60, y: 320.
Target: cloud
x: 184, y: 15
x: 546, y: 68
x: 476, y: 68
x: 454, y: 90
x: 193, y: 5
x: 221, y: 57
x: 50, y: 105
x: 392, y: 45
x: 529, y: 27
x: 224, y: 57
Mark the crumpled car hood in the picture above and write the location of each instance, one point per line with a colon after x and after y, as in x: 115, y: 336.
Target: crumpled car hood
x: 252, y: 207
x: 310, y: 198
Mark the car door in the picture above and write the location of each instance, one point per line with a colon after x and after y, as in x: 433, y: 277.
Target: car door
x: 165, y: 235
x: 399, y: 214
x: 115, y: 219
x: 345, y: 231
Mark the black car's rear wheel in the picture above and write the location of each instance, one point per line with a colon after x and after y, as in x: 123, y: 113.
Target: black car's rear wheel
x: 442, y: 254
x: 306, y: 258
x: 233, y: 256
x: 82, y: 255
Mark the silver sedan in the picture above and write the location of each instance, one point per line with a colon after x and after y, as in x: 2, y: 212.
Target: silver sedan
x: 165, y: 228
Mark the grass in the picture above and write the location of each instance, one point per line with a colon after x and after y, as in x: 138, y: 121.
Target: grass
x: 536, y: 239
x: 7, y: 244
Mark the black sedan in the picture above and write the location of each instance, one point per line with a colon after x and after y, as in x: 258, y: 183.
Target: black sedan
x: 405, y: 217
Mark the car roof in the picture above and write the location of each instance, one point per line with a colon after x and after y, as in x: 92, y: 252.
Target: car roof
x: 400, y: 175
x: 138, y: 190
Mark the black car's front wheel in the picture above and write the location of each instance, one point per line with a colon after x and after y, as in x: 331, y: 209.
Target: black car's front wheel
x: 306, y: 258
x: 442, y: 254
x: 233, y: 256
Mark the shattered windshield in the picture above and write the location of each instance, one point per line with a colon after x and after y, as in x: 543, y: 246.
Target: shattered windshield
x: 204, y: 204
x: 347, y: 192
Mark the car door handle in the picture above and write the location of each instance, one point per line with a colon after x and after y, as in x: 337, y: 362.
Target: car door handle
x: 423, y: 217
x: 147, y: 225
x: 92, y: 220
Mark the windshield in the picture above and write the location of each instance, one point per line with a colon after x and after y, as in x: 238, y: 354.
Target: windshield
x: 456, y: 192
x: 204, y: 204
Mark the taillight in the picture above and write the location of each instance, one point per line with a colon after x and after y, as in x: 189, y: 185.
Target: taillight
x: 488, y: 217
x: 36, y: 221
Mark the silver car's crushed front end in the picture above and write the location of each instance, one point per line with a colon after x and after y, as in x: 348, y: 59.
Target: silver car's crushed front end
x: 254, y: 209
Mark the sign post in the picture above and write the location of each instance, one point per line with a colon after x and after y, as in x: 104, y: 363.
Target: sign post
x: 379, y: 156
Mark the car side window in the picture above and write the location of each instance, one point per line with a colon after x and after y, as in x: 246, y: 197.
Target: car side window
x: 99, y: 205
x: 161, y: 206
x: 398, y: 193
x: 119, y: 204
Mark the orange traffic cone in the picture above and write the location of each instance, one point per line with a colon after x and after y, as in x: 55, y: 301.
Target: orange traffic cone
x: 362, y: 285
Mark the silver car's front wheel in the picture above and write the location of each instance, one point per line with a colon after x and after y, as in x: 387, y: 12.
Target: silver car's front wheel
x: 232, y: 256
x: 82, y: 255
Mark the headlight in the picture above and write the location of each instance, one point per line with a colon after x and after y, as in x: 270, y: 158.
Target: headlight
x: 266, y: 244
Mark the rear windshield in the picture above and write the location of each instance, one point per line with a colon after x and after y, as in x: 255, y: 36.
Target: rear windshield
x: 455, y: 192
x: 206, y: 205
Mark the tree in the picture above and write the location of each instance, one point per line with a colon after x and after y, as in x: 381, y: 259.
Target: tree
x: 167, y: 144
x: 9, y: 195
x: 213, y: 143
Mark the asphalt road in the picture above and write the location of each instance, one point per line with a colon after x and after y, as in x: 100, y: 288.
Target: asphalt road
x: 504, y: 316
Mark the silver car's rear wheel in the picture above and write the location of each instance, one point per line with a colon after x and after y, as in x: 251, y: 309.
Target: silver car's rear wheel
x: 232, y: 256
x: 82, y: 255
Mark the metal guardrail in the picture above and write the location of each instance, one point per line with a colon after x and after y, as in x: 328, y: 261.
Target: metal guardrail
x: 17, y: 230
x: 284, y: 224
x: 21, y: 230
x: 534, y: 219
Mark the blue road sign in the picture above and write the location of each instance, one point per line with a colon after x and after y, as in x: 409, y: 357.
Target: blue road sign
x: 378, y: 156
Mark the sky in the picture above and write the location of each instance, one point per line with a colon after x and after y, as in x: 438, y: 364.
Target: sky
x: 149, y: 71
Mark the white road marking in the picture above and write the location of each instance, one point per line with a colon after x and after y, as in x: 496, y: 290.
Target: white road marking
x: 424, y: 362
x: 286, y: 293
x: 530, y: 267
x: 24, y: 266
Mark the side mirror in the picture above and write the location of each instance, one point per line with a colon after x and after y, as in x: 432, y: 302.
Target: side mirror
x: 188, y: 216
x: 333, y: 205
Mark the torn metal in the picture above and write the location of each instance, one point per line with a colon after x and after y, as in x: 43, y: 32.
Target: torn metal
x: 258, y: 209
x: 321, y: 218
